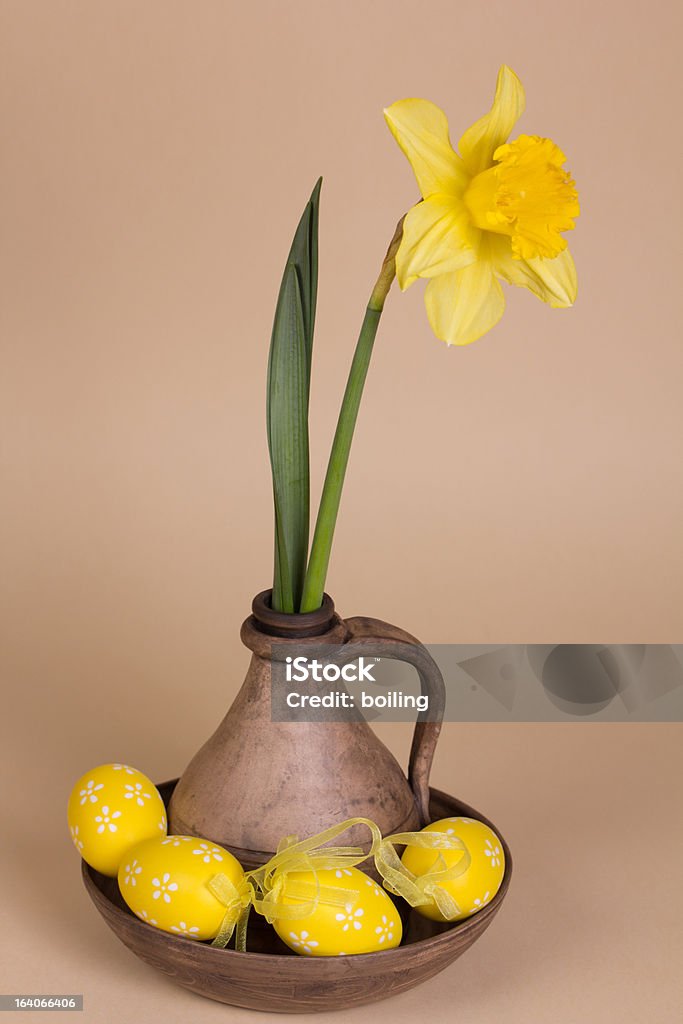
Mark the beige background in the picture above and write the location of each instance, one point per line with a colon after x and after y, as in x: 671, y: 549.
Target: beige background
x: 155, y: 159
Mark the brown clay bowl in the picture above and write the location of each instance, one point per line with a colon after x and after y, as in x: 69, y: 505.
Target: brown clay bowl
x: 271, y: 977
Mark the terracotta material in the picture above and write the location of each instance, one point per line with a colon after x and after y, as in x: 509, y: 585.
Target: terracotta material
x: 255, y: 780
x: 270, y: 977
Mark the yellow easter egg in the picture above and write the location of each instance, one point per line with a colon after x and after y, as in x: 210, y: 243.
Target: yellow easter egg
x: 164, y: 881
x: 111, y: 808
x: 354, y: 914
x: 480, y: 883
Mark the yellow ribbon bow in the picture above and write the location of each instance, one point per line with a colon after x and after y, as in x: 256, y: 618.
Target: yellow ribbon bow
x: 427, y: 889
x: 272, y: 881
x: 263, y: 888
x: 237, y: 900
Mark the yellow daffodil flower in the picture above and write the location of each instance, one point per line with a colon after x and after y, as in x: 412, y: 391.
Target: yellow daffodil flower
x: 494, y: 211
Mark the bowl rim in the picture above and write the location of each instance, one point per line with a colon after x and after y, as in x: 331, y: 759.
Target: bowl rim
x: 435, y: 942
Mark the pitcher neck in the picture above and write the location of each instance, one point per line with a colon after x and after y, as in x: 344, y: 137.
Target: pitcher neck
x: 266, y: 626
x: 295, y: 626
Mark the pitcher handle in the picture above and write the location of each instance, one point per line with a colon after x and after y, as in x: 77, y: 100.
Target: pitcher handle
x: 374, y: 638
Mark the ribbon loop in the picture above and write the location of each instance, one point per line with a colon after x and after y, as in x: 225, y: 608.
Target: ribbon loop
x: 266, y: 887
x: 329, y: 895
x: 237, y: 900
x: 271, y: 881
x: 426, y: 889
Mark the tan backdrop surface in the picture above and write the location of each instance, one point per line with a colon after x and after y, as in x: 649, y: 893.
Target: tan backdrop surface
x: 155, y: 159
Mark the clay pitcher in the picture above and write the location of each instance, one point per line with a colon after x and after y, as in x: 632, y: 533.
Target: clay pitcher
x: 256, y: 780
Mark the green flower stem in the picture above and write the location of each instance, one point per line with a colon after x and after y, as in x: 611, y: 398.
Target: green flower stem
x: 314, y: 585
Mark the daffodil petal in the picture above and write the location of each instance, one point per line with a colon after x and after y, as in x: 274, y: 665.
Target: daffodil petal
x: 465, y: 304
x: 552, y: 280
x: 437, y: 238
x: 421, y: 130
x: 480, y: 142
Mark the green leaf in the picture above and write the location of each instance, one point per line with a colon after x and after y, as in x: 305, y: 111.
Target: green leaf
x: 304, y: 256
x: 289, y: 375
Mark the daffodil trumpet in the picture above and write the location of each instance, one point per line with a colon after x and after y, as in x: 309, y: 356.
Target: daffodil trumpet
x: 495, y: 210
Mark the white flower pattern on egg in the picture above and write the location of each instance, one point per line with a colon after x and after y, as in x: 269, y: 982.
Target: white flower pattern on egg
x: 440, y: 842
x: 176, y: 840
x: 124, y: 768
x: 340, y: 872
x: 137, y: 793
x: 384, y: 930
x: 131, y: 870
x: 370, y: 881
x: 479, y: 903
x: 143, y: 915
x: 163, y: 888
x: 303, y: 941
x: 182, y: 929
x: 350, y: 917
x: 89, y: 793
x: 75, y: 837
x: 207, y: 852
x: 106, y: 820
x: 493, y: 853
